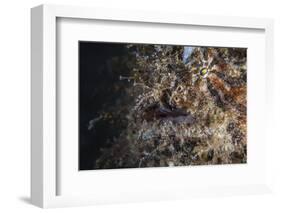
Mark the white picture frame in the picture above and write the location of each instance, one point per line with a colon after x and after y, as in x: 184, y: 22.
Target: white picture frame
x: 44, y: 148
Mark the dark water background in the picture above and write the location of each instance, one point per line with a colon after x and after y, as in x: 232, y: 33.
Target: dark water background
x: 96, y: 77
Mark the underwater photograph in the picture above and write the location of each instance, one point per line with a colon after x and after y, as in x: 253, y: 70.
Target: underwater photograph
x: 152, y: 105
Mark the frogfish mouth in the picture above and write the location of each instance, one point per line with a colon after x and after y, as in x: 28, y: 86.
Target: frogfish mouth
x: 163, y: 113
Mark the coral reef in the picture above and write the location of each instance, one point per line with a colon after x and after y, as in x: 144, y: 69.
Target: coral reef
x: 178, y: 106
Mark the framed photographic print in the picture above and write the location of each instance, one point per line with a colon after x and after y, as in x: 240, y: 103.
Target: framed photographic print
x: 130, y: 106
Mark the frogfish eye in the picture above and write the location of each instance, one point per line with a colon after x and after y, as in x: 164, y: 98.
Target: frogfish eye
x: 176, y: 99
x: 203, y: 71
x: 179, y: 88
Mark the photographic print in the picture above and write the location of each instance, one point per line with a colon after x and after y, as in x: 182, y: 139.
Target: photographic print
x: 151, y: 105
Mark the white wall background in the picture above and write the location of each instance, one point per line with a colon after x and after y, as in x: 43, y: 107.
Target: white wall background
x: 15, y: 104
